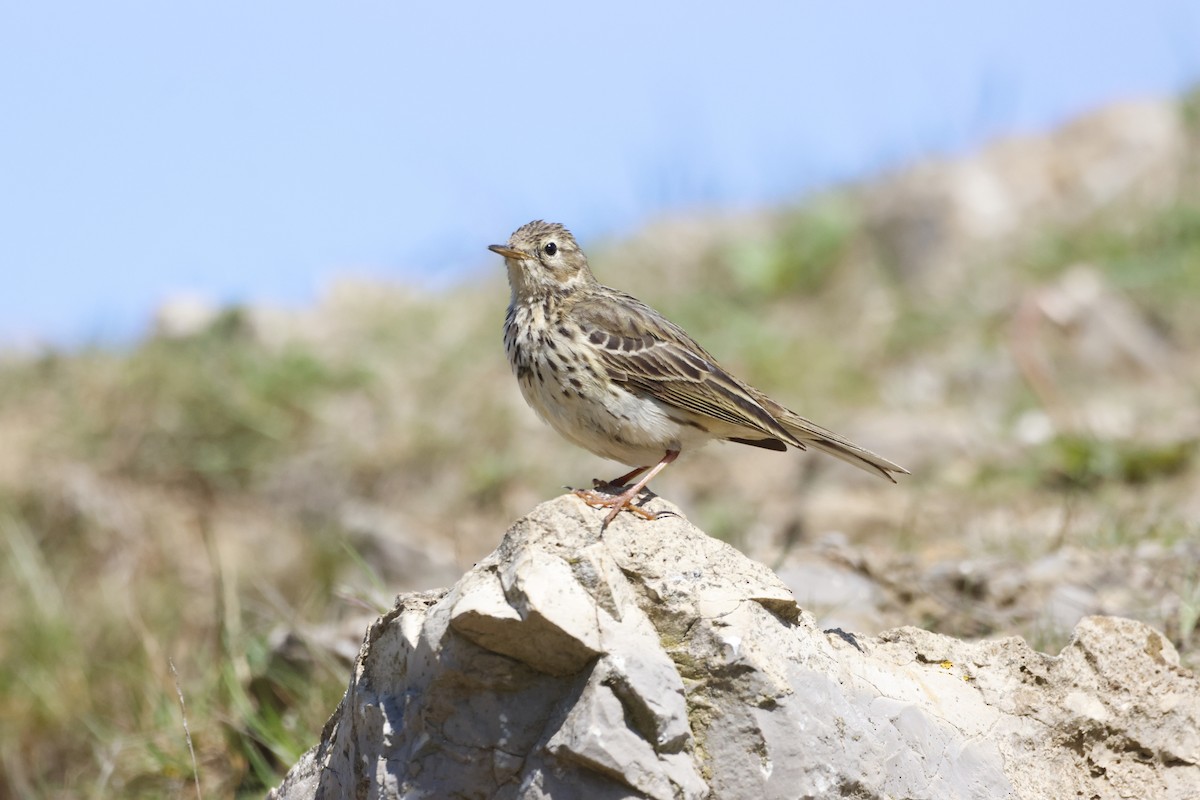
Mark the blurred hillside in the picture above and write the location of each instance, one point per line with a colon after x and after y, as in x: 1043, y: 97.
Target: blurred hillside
x: 1019, y: 327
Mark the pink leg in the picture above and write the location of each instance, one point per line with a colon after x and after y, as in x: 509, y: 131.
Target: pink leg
x: 626, y: 498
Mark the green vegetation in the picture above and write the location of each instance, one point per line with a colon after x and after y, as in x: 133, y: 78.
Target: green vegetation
x: 1153, y: 258
x: 803, y: 255
x: 215, y: 409
x: 1082, y: 462
x: 222, y: 501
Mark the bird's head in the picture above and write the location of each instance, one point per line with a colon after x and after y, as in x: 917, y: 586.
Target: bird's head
x: 544, y: 260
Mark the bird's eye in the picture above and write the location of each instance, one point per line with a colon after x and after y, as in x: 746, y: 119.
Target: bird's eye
x: 551, y: 248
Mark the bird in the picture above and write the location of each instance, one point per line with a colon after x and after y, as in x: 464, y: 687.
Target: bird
x: 617, y: 378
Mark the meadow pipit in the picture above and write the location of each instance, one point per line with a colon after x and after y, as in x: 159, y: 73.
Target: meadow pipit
x: 615, y: 377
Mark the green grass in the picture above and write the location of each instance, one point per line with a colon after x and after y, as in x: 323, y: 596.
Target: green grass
x: 1082, y: 462
x: 88, y: 627
x: 1189, y: 608
x: 212, y: 410
x: 180, y: 500
x: 1150, y: 257
x: 802, y: 257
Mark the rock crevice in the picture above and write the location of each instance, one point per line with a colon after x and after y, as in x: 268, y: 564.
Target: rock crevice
x: 656, y: 662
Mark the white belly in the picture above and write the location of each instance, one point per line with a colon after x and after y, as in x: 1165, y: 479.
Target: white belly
x: 612, y: 423
x: 589, y: 411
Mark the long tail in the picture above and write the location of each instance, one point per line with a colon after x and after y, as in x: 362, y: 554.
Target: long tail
x: 824, y: 439
x: 863, y: 459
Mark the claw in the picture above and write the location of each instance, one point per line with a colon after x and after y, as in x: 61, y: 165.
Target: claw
x: 624, y: 500
x: 618, y: 503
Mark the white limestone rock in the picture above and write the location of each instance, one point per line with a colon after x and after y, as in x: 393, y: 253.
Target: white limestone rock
x: 655, y: 662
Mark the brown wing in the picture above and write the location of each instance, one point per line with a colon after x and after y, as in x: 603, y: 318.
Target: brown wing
x: 642, y: 350
x: 645, y: 351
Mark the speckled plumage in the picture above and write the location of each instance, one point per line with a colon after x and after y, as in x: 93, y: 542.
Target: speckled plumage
x: 617, y: 378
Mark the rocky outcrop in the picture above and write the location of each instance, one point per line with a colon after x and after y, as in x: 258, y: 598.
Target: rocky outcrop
x: 654, y: 661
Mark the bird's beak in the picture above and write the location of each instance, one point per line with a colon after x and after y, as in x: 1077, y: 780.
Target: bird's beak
x: 506, y: 251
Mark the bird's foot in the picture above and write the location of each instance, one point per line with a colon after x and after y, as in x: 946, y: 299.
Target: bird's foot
x: 597, y: 498
x: 601, y: 499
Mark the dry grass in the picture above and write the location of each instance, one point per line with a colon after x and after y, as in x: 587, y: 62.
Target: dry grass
x: 225, y: 501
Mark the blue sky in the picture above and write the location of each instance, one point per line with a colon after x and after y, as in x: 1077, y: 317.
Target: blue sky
x: 252, y: 151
